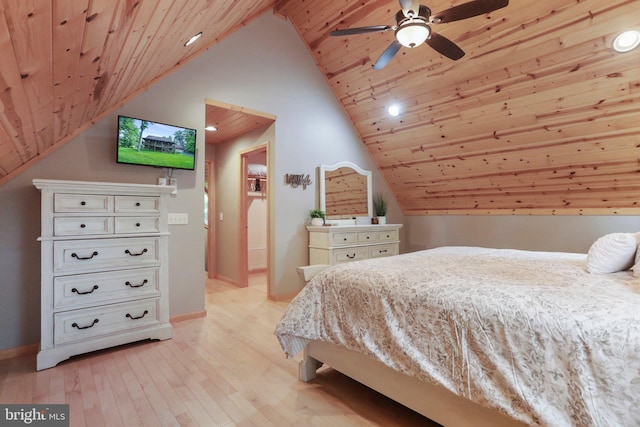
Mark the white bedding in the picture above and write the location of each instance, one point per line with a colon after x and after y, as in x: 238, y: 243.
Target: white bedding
x: 531, y: 334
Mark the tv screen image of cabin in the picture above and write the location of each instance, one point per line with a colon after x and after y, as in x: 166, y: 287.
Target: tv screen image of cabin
x: 144, y: 142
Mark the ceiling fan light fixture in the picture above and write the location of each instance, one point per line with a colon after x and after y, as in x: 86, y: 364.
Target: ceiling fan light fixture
x: 413, y: 33
x: 627, y: 41
x: 393, y: 110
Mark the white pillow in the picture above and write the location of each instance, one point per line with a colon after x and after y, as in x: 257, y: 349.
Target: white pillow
x: 612, y: 253
x: 636, y: 263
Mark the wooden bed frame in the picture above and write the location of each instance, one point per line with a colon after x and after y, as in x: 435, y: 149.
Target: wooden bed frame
x: 432, y: 401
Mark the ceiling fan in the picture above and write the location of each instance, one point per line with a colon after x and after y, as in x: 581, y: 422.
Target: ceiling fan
x: 412, y: 27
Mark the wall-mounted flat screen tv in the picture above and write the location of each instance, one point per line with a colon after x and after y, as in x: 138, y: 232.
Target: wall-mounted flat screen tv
x: 144, y: 142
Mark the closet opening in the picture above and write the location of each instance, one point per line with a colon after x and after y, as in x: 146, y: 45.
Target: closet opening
x: 254, y: 216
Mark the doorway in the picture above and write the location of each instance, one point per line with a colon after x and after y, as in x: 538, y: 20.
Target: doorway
x: 233, y: 134
x: 254, y: 213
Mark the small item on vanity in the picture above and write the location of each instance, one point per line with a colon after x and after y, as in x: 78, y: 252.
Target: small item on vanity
x: 374, y: 220
x: 380, y: 206
x: 317, y: 217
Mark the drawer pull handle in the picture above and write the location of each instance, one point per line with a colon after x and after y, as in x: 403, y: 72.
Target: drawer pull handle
x: 95, y: 288
x: 137, y: 224
x: 82, y: 225
x: 138, y: 254
x: 144, y: 282
x: 351, y: 256
x: 383, y: 251
x: 345, y: 239
x: 367, y: 237
x: 137, y: 204
x: 83, y: 203
x: 75, y: 255
x: 139, y: 317
x: 75, y: 325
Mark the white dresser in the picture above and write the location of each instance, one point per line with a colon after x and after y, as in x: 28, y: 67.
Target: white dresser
x: 335, y: 244
x: 104, y: 266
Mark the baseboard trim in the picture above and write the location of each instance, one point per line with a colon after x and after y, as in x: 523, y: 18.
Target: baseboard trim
x: 283, y: 297
x: 188, y: 316
x: 227, y: 280
x: 10, y: 353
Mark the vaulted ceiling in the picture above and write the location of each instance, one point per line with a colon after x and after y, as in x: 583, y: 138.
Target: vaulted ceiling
x: 539, y: 116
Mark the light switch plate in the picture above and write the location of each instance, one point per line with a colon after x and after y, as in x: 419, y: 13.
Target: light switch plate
x: 178, y: 218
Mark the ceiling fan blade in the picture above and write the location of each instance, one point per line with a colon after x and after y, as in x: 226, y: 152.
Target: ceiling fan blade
x: 410, y: 7
x: 360, y: 30
x: 468, y: 10
x: 386, y: 56
x: 444, y: 46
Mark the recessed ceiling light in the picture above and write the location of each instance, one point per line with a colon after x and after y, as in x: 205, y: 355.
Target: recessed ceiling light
x: 393, y: 110
x: 193, y: 39
x: 211, y: 128
x: 627, y: 41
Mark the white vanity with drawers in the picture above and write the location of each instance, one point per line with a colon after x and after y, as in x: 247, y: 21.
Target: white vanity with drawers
x: 104, y: 268
x: 336, y: 244
x: 346, y: 196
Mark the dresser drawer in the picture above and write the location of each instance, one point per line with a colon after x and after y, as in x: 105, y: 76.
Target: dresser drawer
x: 82, y: 203
x: 367, y: 237
x: 338, y: 239
x: 85, y: 324
x: 85, y: 290
x: 89, y: 255
x: 140, y: 204
x: 137, y: 224
x: 71, y: 226
x: 389, y: 236
x: 378, y: 251
x: 349, y: 254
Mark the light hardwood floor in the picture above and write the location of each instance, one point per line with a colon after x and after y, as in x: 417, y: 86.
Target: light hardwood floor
x: 225, y: 369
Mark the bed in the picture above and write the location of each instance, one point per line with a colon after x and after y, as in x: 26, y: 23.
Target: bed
x: 478, y: 336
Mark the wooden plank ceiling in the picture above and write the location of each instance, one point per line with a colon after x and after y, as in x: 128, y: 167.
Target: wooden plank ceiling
x: 232, y: 121
x: 539, y: 117
x: 66, y: 64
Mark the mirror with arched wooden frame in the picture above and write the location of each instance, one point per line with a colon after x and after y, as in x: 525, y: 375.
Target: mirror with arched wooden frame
x: 345, y: 191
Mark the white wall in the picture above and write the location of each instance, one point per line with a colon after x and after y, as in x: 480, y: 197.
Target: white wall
x: 257, y: 233
x: 537, y: 233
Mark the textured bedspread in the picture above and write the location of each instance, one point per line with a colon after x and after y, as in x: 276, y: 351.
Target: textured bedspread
x: 529, y: 333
